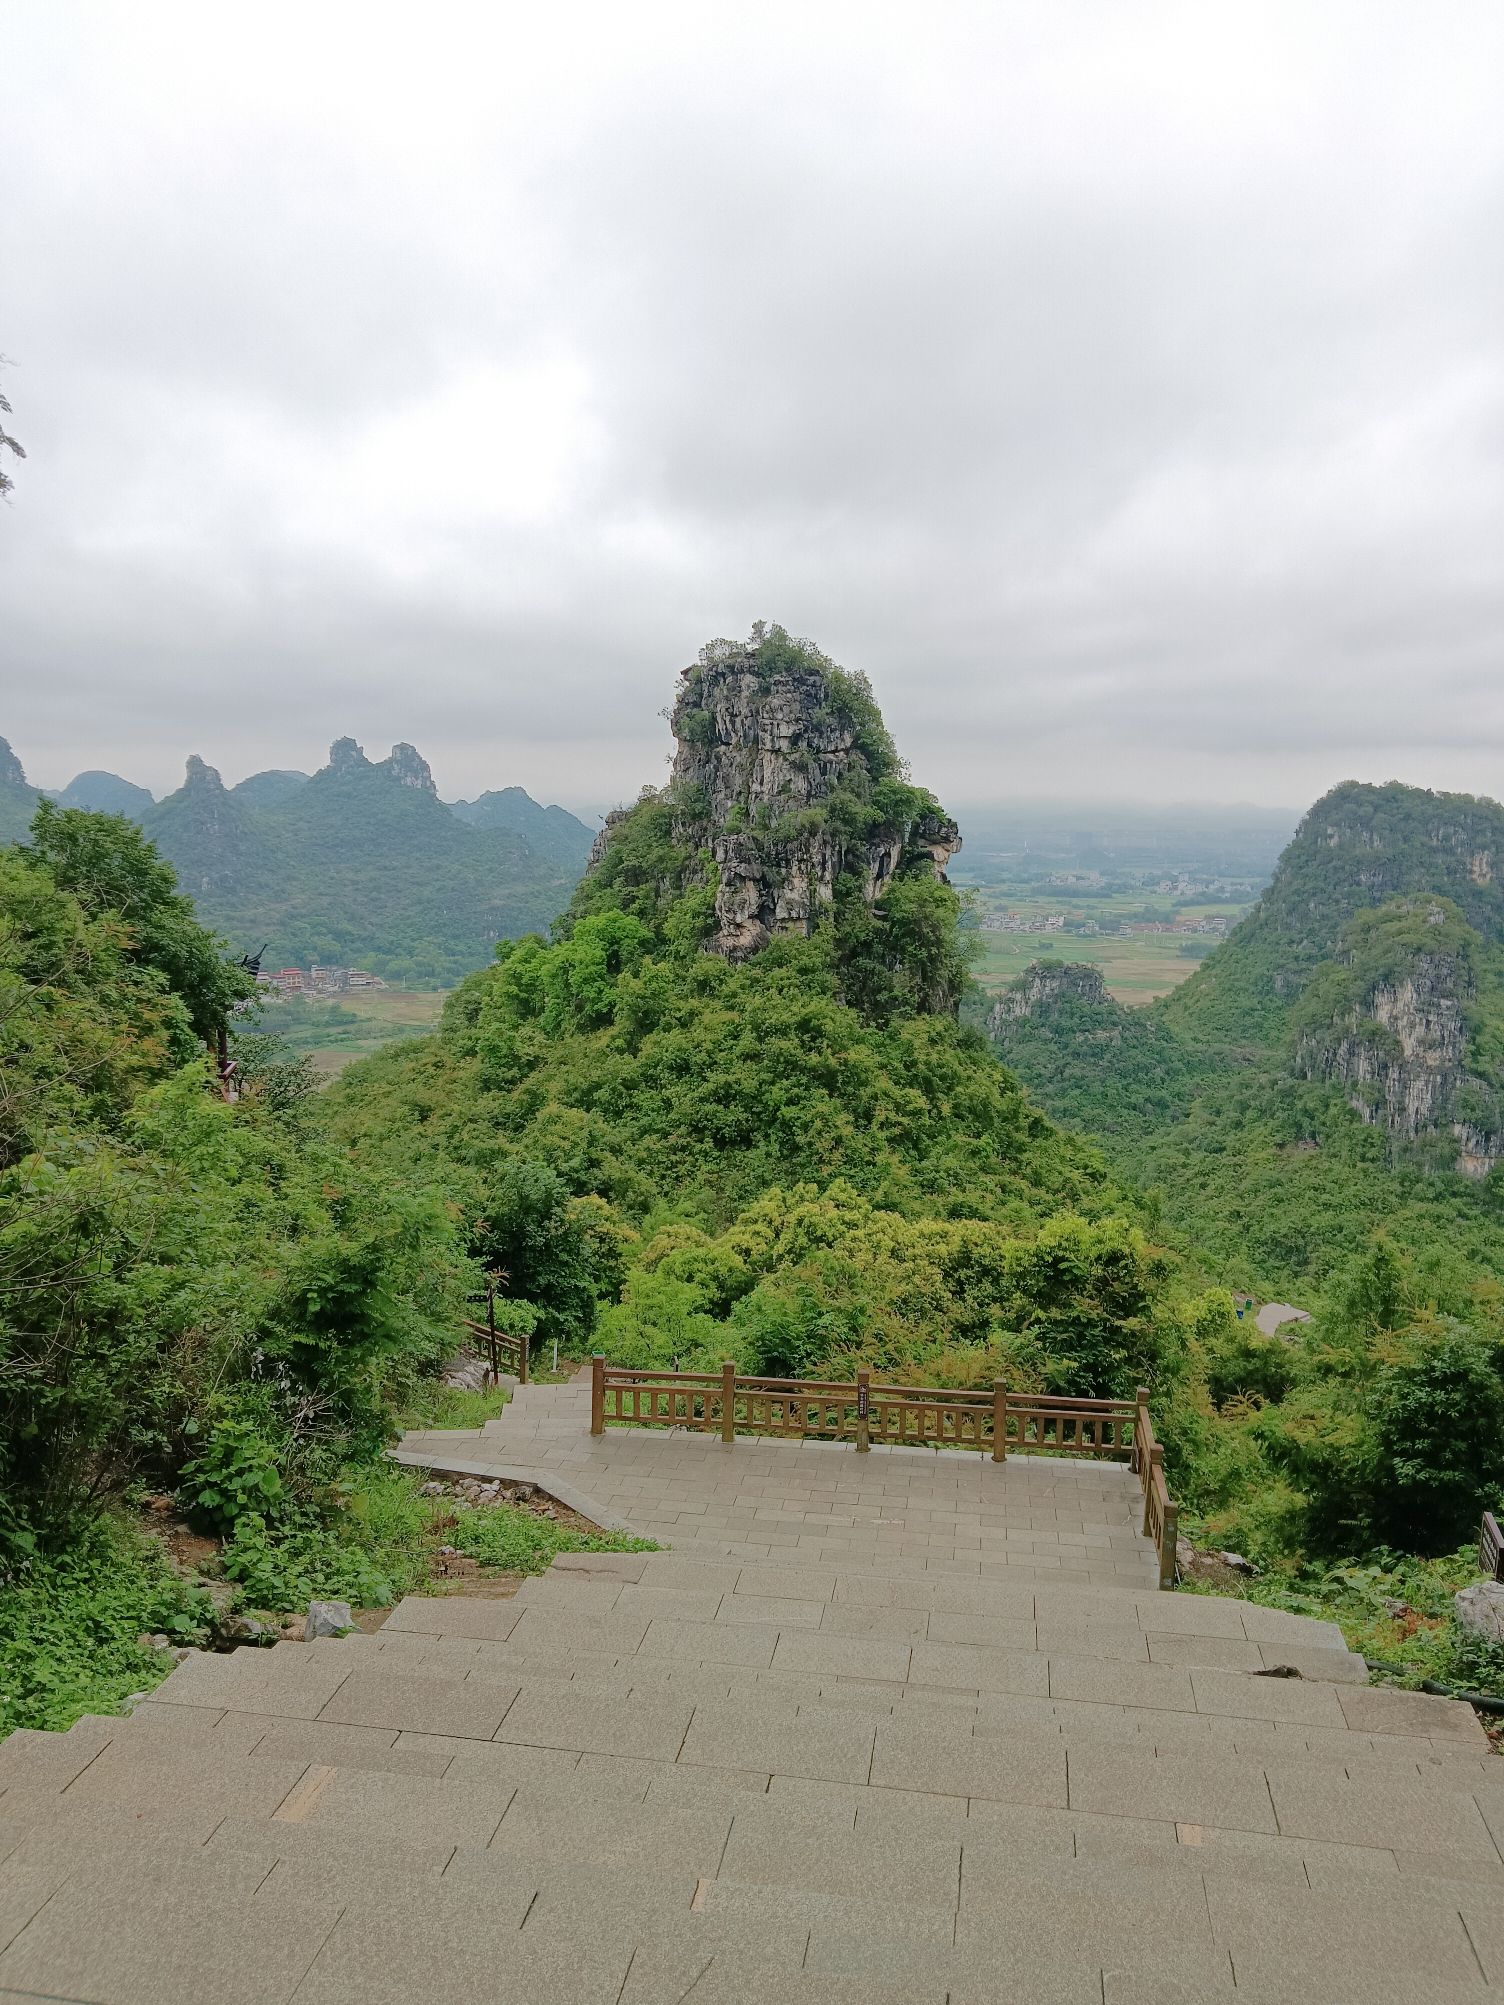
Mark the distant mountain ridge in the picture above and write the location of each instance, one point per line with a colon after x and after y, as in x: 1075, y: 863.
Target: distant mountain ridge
x: 357, y: 864
x: 104, y: 794
x: 550, y: 831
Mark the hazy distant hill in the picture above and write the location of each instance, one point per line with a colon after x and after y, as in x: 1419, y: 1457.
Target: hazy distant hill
x: 105, y: 794
x: 552, y: 831
x: 360, y: 865
x: 270, y: 789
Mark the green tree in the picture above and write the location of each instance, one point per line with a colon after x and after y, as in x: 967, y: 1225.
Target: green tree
x: 530, y: 1229
x: 1439, y: 1428
x: 110, y: 868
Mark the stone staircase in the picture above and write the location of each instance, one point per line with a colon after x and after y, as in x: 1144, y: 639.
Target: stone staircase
x: 691, y: 1776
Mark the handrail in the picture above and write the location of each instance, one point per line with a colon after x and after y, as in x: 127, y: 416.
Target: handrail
x: 1161, y: 1514
x: 981, y: 1417
x: 499, y: 1343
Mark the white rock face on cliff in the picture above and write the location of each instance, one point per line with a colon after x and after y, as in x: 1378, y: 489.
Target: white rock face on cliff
x: 1402, y: 1056
x: 762, y: 760
x: 407, y: 766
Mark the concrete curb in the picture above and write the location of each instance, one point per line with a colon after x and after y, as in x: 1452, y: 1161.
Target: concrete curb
x: 499, y: 1472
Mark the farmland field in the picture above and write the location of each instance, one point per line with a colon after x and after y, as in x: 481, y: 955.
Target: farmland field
x: 335, y: 1030
x: 1136, y: 969
x: 1113, y: 931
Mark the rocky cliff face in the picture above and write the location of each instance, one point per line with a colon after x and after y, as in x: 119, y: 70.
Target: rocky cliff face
x: 1043, y: 984
x: 1400, y: 1051
x: 407, y: 766
x: 404, y: 763
x: 12, y: 773
x: 780, y: 779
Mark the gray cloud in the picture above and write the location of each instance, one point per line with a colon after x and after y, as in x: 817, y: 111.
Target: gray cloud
x: 1122, y: 388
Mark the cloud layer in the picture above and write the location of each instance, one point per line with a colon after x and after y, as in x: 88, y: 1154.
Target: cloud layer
x: 1122, y: 388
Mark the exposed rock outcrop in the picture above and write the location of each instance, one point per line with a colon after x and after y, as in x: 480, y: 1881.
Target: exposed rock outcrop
x: 345, y: 756
x: 779, y: 775
x: 1399, y: 1047
x: 12, y: 773
x: 407, y: 766
x: 404, y: 763
x: 1044, y: 983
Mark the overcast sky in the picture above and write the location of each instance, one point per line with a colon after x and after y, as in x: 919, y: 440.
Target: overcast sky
x: 1121, y: 387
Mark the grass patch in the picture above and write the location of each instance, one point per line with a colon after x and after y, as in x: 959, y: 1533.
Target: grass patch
x: 453, y: 1406
x: 69, y: 1624
x: 375, y: 1543
x: 514, y: 1541
x: 382, y: 1541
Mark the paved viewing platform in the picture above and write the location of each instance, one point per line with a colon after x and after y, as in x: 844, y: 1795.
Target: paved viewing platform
x: 1075, y: 1522
x: 894, y: 1729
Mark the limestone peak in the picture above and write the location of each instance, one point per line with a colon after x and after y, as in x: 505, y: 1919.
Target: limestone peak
x: 345, y: 756
x: 407, y: 766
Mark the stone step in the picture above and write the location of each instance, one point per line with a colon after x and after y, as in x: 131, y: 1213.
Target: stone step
x: 421, y: 1747
x: 1446, y: 1798
x: 783, y: 1903
x: 592, y: 1577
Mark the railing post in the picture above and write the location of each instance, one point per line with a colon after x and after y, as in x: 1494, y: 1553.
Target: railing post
x: 863, y: 1412
x: 598, y: 1394
x: 1169, y: 1532
x: 1156, y: 1462
x: 1140, y: 1421
x: 522, y: 1349
x: 999, y: 1421
x: 728, y: 1400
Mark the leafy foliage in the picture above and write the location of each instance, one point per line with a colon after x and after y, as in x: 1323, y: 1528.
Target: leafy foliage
x: 158, y: 1248
x: 69, y: 1625
x: 236, y: 1474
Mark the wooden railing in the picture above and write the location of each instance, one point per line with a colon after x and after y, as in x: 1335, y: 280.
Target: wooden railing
x: 502, y: 1348
x: 1491, y: 1548
x: 1161, y: 1514
x: 989, y: 1419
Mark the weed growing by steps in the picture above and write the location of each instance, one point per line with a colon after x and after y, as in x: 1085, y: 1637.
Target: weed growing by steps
x: 374, y: 1542
x: 69, y: 1626
x: 514, y: 1541
x: 436, y: 1405
x: 1393, y: 1609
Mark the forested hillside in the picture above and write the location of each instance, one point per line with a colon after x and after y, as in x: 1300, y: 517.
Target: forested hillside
x: 18, y: 801
x: 741, y: 1057
x: 1334, y: 1068
x: 361, y: 865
